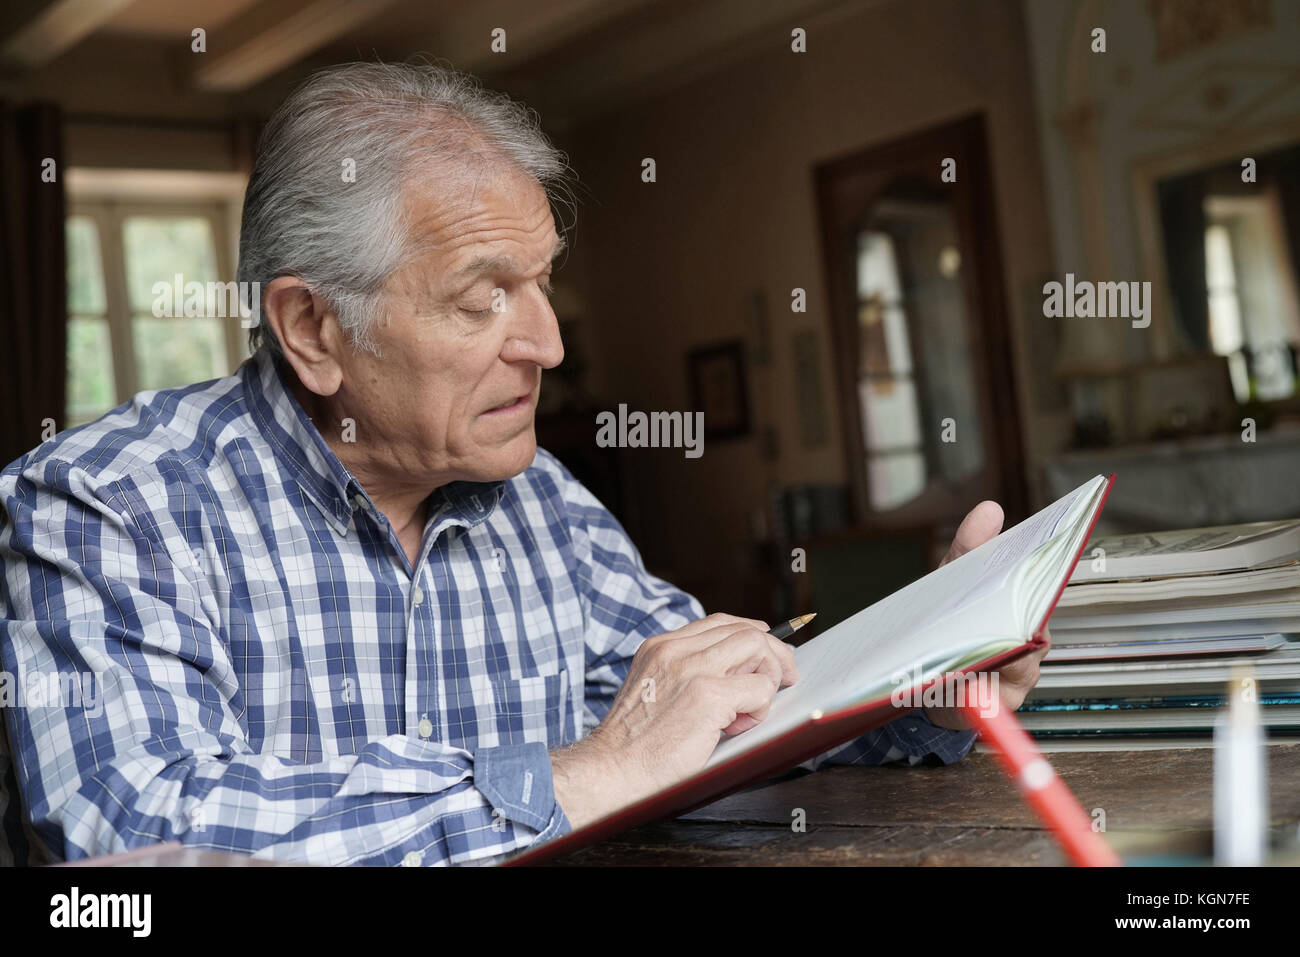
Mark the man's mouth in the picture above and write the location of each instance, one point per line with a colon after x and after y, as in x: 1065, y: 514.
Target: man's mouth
x: 518, y: 402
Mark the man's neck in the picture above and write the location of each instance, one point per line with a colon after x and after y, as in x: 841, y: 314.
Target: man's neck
x: 404, y: 504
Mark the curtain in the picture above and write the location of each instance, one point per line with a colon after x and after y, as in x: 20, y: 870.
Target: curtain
x: 1182, y: 215
x: 33, y: 297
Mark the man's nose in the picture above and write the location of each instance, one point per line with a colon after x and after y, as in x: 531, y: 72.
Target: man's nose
x: 537, y: 335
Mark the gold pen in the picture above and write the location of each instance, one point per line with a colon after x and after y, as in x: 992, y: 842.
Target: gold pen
x: 788, y: 628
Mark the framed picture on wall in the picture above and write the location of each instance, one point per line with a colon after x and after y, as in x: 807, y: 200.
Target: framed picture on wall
x: 717, y: 383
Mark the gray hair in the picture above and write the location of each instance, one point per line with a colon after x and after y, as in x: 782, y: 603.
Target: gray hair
x: 302, y: 217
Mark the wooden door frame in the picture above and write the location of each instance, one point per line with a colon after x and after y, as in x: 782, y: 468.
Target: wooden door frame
x: 975, y: 211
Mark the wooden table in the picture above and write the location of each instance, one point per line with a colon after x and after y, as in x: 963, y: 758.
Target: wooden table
x: 1158, y: 809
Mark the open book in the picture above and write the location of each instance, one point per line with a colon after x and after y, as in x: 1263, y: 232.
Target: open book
x: 985, y: 608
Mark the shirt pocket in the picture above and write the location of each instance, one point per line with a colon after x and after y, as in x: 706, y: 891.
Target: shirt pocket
x: 535, y: 708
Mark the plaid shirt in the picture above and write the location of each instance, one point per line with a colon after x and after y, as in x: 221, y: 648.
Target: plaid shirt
x: 211, y: 635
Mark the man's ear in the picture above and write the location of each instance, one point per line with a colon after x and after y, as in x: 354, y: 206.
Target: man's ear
x: 308, y: 333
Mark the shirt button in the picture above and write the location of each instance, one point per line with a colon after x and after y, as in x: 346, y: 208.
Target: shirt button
x: 417, y: 595
x: 426, y: 728
x: 412, y: 859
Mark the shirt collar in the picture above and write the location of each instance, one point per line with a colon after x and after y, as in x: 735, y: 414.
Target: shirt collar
x: 324, y: 479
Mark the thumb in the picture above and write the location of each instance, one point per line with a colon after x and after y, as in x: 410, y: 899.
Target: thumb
x: 982, y: 523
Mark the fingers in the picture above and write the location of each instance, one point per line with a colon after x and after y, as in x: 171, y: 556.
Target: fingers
x: 732, y: 661
x: 1035, y: 656
x: 747, y: 698
x: 747, y: 650
x: 983, y: 522
x: 717, y: 619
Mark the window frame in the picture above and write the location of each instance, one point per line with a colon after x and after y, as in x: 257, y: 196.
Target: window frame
x: 109, y: 217
x: 107, y: 196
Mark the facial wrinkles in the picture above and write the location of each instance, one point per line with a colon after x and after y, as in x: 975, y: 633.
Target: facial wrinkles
x: 526, y: 235
x: 442, y: 368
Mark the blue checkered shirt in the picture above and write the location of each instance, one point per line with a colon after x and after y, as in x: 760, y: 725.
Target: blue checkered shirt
x: 210, y: 635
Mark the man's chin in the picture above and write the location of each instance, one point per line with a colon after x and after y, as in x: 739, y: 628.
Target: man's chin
x: 510, y: 460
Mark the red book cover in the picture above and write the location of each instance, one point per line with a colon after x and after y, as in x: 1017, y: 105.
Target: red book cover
x: 818, y: 734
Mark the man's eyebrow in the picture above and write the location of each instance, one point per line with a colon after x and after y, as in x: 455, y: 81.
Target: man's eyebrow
x: 487, y: 264
x: 503, y: 263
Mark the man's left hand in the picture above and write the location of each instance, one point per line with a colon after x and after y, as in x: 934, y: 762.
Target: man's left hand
x: 1016, y: 678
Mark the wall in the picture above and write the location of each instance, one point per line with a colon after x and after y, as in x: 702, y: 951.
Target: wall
x: 669, y: 266
x: 1110, y: 120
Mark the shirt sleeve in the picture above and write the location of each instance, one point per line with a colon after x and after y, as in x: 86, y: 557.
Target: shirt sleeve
x: 157, y: 745
x: 623, y: 604
x: 913, y: 737
x: 626, y: 605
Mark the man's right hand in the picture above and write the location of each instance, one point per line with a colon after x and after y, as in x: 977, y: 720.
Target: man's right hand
x: 684, y: 689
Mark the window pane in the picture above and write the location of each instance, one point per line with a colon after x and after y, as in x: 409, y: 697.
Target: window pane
x: 895, y: 480
x: 90, y: 390
x: 173, y: 352
x: 85, y: 267
x: 890, y: 417
x: 912, y: 291
x: 877, y: 267
x: 157, y: 248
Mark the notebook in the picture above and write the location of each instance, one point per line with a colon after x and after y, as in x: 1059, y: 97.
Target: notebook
x: 976, y: 613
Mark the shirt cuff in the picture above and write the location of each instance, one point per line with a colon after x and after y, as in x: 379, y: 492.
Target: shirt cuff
x: 516, y: 778
x: 918, y: 737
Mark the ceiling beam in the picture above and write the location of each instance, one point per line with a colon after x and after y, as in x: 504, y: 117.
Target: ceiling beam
x: 698, y: 40
x: 34, y: 32
x: 273, y: 36
x: 532, y: 28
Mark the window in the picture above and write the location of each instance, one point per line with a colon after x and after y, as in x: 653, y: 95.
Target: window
x: 890, y: 410
x: 1253, y: 313
x: 909, y: 290
x: 1231, y: 261
x: 130, y: 265
x: 91, y: 387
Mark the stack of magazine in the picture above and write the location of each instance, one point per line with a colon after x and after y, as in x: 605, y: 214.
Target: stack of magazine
x: 1152, y: 627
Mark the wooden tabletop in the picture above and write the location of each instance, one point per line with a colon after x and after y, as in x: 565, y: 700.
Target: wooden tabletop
x: 1158, y: 807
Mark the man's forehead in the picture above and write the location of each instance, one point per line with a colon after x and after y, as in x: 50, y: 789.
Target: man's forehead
x: 485, y: 223
x: 477, y: 259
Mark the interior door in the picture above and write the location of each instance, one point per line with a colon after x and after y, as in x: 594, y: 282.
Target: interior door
x: 924, y: 364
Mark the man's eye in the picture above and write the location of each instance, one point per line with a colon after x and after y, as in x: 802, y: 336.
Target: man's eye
x: 477, y: 313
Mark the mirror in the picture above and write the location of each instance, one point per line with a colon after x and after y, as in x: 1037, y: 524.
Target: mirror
x: 1231, y: 243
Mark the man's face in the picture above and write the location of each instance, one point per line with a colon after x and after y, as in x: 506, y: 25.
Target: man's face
x: 448, y: 357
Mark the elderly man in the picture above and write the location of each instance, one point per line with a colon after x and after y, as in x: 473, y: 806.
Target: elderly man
x: 338, y: 606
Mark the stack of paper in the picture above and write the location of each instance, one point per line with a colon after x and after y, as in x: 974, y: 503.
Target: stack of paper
x: 1149, y: 629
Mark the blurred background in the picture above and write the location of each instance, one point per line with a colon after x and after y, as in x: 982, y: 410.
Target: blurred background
x: 865, y: 334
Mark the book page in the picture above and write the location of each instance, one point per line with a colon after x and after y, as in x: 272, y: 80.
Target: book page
x: 936, y: 620
x: 1194, y: 550
x: 1209, y: 587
